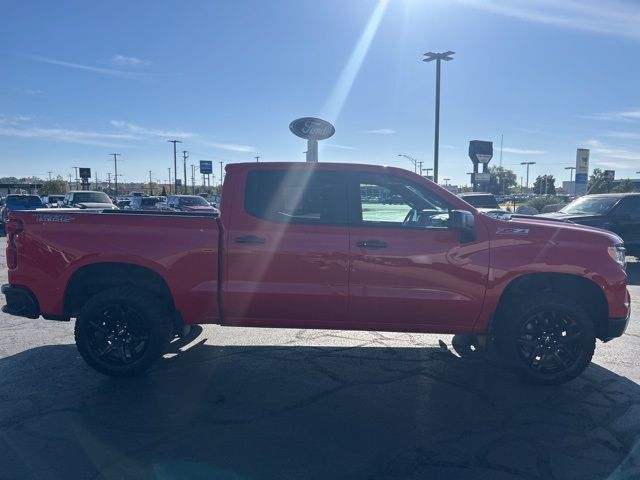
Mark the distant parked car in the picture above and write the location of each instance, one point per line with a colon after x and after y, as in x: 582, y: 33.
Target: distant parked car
x: 123, y: 204
x: 618, y: 212
x: 143, y: 203
x: 52, y: 201
x: 480, y: 200
x: 88, y: 199
x: 189, y: 203
x: 16, y: 202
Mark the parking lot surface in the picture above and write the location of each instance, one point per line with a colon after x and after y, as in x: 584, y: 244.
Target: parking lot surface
x: 234, y: 403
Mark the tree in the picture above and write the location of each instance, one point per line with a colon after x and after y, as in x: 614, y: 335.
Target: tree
x: 599, y: 182
x: 545, y: 185
x: 501, y: 180
x: 626, y: 185
x: 54, y: 187
x: 164, y: 192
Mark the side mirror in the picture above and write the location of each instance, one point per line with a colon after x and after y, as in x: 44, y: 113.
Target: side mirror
x: 464, y: 222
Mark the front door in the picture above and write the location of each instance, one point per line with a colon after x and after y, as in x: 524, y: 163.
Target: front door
x: 287, y: 249
x: 625, y: 221
x: 408, y: 269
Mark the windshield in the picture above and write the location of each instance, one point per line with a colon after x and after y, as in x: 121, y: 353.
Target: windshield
x: 150, y: 201
x: 481, y: 201
x: 91, y: 197
x: 591, y: 205
x: 25, y: 201
x: 193, y: 201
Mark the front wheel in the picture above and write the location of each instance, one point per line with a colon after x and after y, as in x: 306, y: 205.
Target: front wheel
x: 547, y: 338
x: 123, y: 331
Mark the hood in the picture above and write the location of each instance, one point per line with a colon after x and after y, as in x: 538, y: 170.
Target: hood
x: 570, y: 216
x: 539, y: 228
x: 102, y: 205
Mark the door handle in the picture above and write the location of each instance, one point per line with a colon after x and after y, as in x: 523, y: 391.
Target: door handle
x: 250, y: 239
x: 371, y: 244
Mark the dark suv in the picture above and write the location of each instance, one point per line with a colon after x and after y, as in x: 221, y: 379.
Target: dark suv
x: 618, y: 212
x: 19, y: 202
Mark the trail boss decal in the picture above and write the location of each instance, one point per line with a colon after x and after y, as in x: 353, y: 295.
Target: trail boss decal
x: 512, y: 231
x: 40, y: 217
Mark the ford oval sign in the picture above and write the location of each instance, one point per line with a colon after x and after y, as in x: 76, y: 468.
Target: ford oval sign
x: 312, y: 128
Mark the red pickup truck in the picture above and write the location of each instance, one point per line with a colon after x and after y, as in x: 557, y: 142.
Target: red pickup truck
x: 317, y: 246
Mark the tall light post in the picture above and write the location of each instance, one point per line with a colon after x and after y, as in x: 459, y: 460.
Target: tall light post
x: 222, y: 176
x: 446, y: 181
x: 527, y: 164
x: 438, y: 57
x: 412, y: 160
x: 175, y: 166
x: 115, y: 175
x: 428, y: 170
x: 77, y: 177
x: 571, y: 177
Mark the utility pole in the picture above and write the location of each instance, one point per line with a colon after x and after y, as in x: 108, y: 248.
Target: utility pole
x: 169, y: 179
x: 150, y: 184
x: 49, y: 175
x: 77, y: 187
x: 175, y: 166
x: 184, y: 162
x: 109, y: 181
x: 527, y: 164
x: 420, y: 168
x: 115, y: 175
x: 193, y: 179
x: 257, y: 158
x: 221, y: 175
x: 430, y: 56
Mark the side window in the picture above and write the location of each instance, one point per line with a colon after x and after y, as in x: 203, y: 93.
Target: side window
x: 297, y: 196
x: 629, y: 206
x: 387, y: 200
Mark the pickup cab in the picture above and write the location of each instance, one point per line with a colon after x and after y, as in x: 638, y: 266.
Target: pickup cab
x: 302, y: 245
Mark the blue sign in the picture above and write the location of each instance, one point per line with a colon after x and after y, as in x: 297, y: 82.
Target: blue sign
x: 581, y: 178
x: 312, y: 128
x: 206, y: 166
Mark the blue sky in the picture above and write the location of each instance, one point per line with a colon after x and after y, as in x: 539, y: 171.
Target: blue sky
x: 83, y: 79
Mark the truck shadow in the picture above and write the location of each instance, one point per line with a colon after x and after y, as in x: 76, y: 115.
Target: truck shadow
x: 310, y: 412
x: 633, y: 272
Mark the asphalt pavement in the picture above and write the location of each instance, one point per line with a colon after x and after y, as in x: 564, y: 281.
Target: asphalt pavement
x: 235, y: 403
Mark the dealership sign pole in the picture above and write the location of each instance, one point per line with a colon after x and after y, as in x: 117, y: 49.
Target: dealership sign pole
x: 312, y: 129
x: 582, y: 171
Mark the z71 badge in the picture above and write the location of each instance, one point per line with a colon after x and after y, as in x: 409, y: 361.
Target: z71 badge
x: 512, y: 231
x: 42, y: 217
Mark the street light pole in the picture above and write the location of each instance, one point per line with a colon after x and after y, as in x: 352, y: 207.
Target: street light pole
x: 412, y: 160
x: 115, y: 175
x: 438, y: 57
x: 571, y: 177
x: 428, y: 170
x: 221, y: 176
x: 175, y: 167
x: 527, y: 164
x: 185, y: 156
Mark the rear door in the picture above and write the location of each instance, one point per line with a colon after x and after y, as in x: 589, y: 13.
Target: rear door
x: 408, y: 269
x: 286, y: 248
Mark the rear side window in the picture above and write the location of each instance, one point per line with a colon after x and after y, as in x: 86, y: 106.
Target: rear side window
x: 24, y: 201
x: 297, y: 196
x: 629, y: 206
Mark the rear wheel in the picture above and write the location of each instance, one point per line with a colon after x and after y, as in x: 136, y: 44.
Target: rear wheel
x: 547, y: 338
x: 122, y: 331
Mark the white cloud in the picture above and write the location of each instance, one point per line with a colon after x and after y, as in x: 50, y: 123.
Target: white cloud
x: 342, y: 147
x: 613, y: 17
x: 380, y: 131
x: 136, y: 129
x: 448, y: 147
x: 66, y: 135
x: 611, y: 156
x: 88, y: 68
x: 13, y: 120
x: 523, y: 151
x: 124, y: 61
x: 623, y: 135
x: 617, y: 116
x: 230, y: 147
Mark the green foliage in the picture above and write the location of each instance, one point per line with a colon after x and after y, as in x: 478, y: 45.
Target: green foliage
x: 501, y: 179
x: 625, y: 186
x: 164, y: 192
x: 598, y: 182
x: 545, y: 185
x: 54, y: 187
x: 540, y: 202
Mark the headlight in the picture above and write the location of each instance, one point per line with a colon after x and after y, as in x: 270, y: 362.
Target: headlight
x: 618, y: 254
